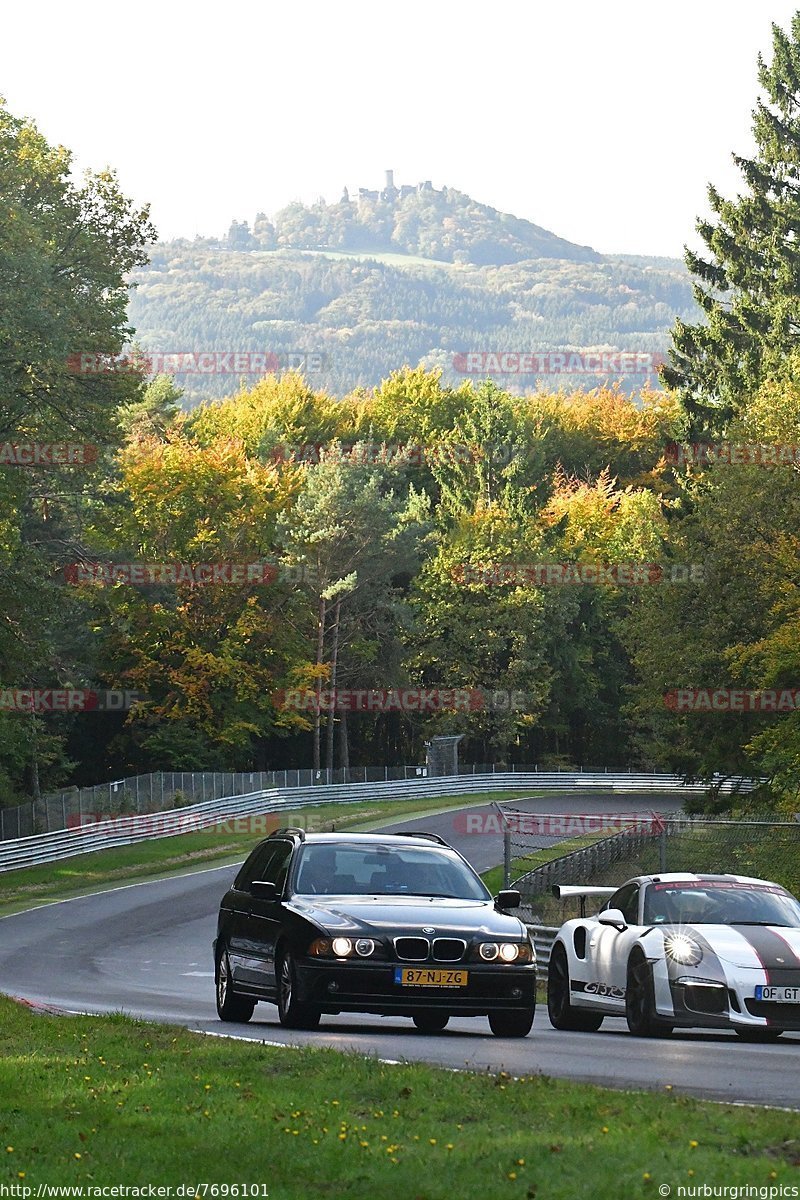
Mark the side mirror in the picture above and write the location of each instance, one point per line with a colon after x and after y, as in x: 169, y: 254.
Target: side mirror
x: 508, y: 899
x: 263, y: 890
x: 614, y: 918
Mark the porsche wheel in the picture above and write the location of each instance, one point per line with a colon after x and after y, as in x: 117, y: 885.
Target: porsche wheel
x: 230, y: 1007
x: 430, y: 1021
x: 562, y: 1014
x: 640, y: 1004
x: 291, y: 1013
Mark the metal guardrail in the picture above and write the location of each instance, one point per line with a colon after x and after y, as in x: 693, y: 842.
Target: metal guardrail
x: 159, y: 791
x: 543, y: 938
x: 125, y: 830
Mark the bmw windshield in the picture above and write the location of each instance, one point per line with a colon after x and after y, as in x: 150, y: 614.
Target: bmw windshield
x: 383, y: 871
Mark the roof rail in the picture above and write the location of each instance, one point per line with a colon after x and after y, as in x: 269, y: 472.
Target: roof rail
x: 421, y: 833
x: 289, y: 829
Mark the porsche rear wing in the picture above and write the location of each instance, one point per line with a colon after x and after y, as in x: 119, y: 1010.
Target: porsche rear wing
x: 565, y: 891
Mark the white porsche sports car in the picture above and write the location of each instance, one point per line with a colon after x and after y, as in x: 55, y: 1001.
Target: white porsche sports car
x: 714, y: 951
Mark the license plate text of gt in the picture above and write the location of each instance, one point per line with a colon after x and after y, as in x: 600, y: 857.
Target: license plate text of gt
x: 781, y: 995
x: 429, y: 977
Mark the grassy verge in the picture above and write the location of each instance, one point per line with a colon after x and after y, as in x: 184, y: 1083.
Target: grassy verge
x: 105, y: 1101
x: 225, y: 843
x: 493, y: 878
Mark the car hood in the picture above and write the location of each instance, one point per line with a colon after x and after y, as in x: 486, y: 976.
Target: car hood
x: 756, y: 946
x: 373, y: 915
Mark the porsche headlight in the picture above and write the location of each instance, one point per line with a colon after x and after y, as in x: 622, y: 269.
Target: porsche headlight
x: 683, y: 949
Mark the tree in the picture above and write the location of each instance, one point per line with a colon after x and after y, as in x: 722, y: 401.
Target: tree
x: 748, y: 283
x: 65, y: 253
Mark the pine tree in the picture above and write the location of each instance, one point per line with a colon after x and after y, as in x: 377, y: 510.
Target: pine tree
x: 748, y: 285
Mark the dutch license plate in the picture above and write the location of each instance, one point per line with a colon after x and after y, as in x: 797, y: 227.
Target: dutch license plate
x: 780, y: 995
x: 430, y: 977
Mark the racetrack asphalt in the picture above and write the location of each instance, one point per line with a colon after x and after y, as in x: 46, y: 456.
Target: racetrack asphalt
x: 145, y: 948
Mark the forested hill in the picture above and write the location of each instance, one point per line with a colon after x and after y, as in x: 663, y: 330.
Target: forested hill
x: 363, y: 285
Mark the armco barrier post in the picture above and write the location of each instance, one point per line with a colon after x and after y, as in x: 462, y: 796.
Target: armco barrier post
x: 506, y: 857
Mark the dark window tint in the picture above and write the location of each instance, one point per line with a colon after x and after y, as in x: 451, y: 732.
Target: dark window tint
x: 627, y: 901
x: 276, y: 869
x: 256, y: 865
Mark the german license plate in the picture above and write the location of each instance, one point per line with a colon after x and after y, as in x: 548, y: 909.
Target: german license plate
x: 430, y: 977
x: 780, y: 995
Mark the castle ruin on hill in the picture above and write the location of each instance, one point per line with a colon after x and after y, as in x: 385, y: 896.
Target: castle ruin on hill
x: 389, y: 191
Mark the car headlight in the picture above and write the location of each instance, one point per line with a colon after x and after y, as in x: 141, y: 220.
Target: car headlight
x: 342, y: 947
x: 683, y: 949
x: 338, y: 947
x: 507, y: 952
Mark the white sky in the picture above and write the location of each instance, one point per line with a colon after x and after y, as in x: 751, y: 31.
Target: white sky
x: 600, y: 121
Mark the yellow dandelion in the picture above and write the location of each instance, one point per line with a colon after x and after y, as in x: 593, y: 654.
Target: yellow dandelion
x: 20, y: 1174
x: 76, y: 1155
x: 9, y: 1149
x: 432, y: 1141
x: 520, y: 1162
x: 512, y: 1174
x: 449, y: 1146
x: 604, y: 1129
x: 647, y: 1177
x: 693, y: 1145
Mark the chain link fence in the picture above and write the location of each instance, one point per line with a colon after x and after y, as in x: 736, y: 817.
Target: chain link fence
x: 165, y: 790
x: 542, y: 851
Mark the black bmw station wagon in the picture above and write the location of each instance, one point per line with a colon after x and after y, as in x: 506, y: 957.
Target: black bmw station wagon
x: 390, y: 924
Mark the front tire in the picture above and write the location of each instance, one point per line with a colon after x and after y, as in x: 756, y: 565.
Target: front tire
x: 516, y: 1024
x: 640, y: 1004
x: 561, y: 1012
x: 230, y: 1006
x: 430, y: 1021
x: 292, y: 1014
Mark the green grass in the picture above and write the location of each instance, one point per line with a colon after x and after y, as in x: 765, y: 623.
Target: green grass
x: 104, y: 1101
x: 162, y: 856
x: 494, y: 877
